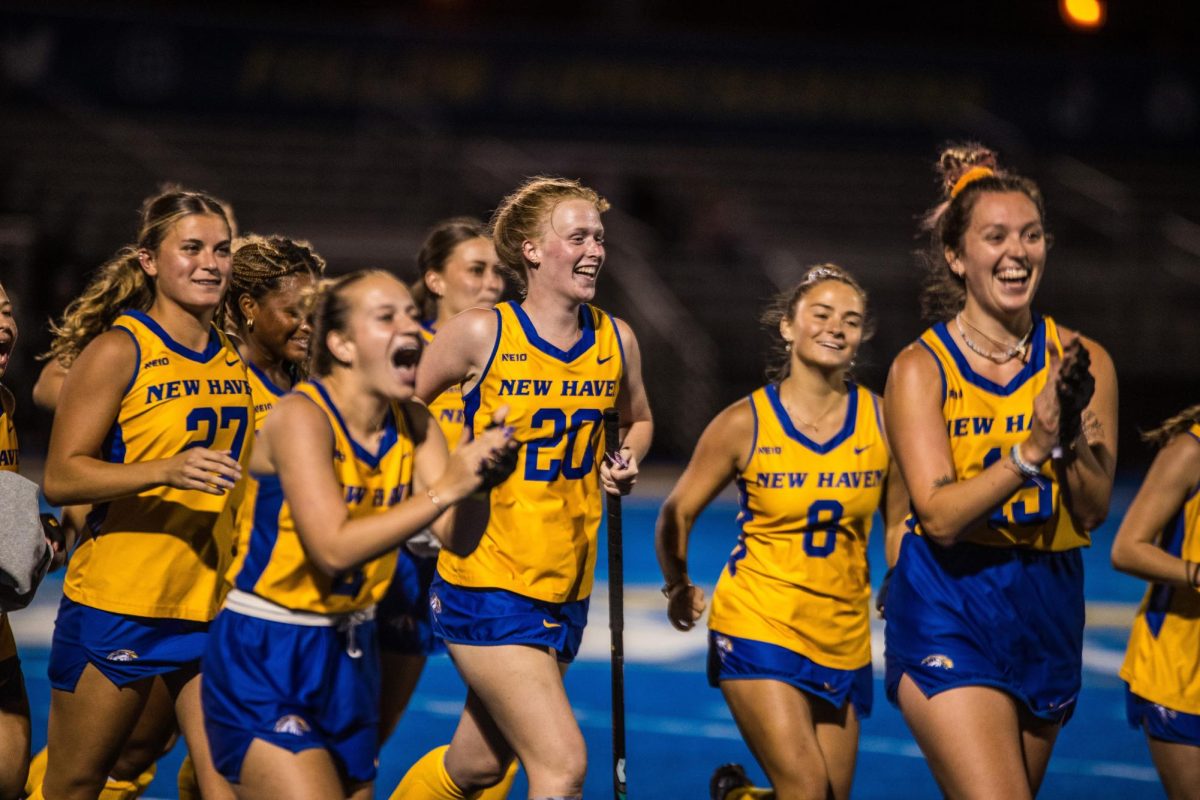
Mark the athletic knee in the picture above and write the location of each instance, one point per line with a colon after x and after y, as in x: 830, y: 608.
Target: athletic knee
x: 564, y: 773
x: 12, y: 780
x: 806, y: 782
x: 483, y: 771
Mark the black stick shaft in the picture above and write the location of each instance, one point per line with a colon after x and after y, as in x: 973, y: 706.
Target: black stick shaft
x: 616, y: 612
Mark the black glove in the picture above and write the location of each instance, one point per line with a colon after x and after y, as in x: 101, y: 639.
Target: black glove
x: 1075, y: 389
x: 497, y: 470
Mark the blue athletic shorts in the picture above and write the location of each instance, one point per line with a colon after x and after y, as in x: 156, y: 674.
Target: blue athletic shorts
x: 494, y: 616
x: 124, y: 648
x: 404, y: 618
x: 733, y: 658
x: 970, y: 615
x: 293, y: 686
x: 1161, y: 722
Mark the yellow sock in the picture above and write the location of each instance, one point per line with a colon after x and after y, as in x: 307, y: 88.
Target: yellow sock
x: 189, y: 788
x: 750, y: 793
x: 500, y: 790
x: 428, y: 779
x: 113, y: 789
x: 37, y: 772
x: 122, y: 790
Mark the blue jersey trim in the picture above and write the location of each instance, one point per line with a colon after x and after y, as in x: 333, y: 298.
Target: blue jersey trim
x: 754, y: 433
x: 211, y: 349
x: 262, y: 376
x: 364, y: 455
x: 941, y: 369
x: 1036, y: 362
x: 878, y: 414
x: 1195, y: 489
x: 1161, y: 593
x: 113, y: 446
x: 472, y: 398
x: 587, y: 338
x: 785, y: 421
x: 265, y: 532
x: 427, y: 324
x: 137, y: 359
x: 617, y: 333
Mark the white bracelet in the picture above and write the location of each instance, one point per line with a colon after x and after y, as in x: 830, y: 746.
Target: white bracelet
x: 437, y: 501
x: 1023, y: 466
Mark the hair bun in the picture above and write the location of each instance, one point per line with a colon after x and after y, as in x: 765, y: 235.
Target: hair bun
x: 958, y: 159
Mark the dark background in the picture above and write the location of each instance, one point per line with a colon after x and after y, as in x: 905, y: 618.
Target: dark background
x: 739, y: 142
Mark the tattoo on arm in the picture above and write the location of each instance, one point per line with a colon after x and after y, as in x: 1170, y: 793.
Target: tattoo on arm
x: 945, y: 480
x: 1093, y: 429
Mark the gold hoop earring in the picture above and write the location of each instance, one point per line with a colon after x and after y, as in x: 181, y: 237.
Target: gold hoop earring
x: 250, y: 324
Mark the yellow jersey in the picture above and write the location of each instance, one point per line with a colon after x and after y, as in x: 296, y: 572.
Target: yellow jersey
x: 10, y: 461
x: 446, y: 408
x: 272, y: 563
x: 798, y: 576
x: 1162, y: 662
x: 541, y: 538
x: 10, y: 451
x: 161, y: 552
x: 984, y: 420
x: 264, y: 392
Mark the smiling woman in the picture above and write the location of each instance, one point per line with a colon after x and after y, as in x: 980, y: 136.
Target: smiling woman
x: 985, y: 609
x: 512, y: 612
x: 345, y: 469
x: 271, y: 276
x: 142, y: 584
x: 789, y: 639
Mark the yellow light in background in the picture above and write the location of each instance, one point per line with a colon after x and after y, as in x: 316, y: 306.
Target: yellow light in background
x: 1083, y: 15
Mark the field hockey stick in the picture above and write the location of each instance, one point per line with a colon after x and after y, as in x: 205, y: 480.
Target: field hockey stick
x: 616, y: 606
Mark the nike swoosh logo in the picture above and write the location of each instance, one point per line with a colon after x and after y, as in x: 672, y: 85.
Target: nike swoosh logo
x: 859, y: 450
x: 548, y: 624
x: 603, y: 360
x: 231, y: 363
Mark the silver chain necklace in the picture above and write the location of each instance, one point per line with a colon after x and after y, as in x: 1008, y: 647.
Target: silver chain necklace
x: 1015, y: 351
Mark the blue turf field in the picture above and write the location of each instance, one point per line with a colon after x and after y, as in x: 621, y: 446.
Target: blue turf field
x: 679, y: 729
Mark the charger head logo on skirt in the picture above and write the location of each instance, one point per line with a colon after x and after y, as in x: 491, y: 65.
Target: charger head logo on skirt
x: 724, y: 646
x: 293, y: 724
x: 938, y: 660
x: 435, y: 603
x: 1165, y: 713
x: 121, y: 655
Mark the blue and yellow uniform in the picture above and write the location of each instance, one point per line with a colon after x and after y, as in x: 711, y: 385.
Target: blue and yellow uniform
x: 1162, y: 668
x: 529, y: 579
x: 405, y: 619
x: 263, y: 391
x: 292, y: 658
x: 142, y: 583
x: 264, y: 394
x: 10, y: 461
x: 1002, y: 607
x: 447, y: 408
x: 792, y: 603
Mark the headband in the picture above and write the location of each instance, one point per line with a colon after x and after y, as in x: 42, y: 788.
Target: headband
x: 969, y: 177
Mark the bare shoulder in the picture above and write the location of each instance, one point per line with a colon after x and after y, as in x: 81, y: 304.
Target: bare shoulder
x: 914, y: 364
x: 1182, y: 449
x: 473, y: 325
x: 623, y: 330
x: 736, y: 418
x: 294, y: 414
x: 419, y: 417
x: 110, y: 357
x: 731, y: 431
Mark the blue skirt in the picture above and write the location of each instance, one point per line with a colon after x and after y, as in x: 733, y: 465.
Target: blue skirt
x: 970, y: 615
